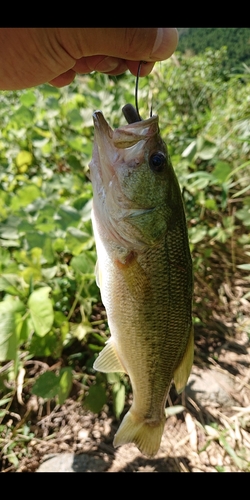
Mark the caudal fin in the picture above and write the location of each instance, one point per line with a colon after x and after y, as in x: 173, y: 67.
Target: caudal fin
x: 146, y: 436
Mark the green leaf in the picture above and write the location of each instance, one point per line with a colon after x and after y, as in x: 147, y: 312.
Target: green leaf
x: 96, y: 398
x: 31, y: 273
x: 201, y: 180
x: 24, y: 330
x: 53, y: 104
x: 118, y: 391
x: 65, y: 384
x: 36, y: 239
x: 49, y: 345
x: 41, y: 310
x: 81, y: 330
x: 12, y: 458
x: 24, y: 196
x: 8, y: 232
x: 4, y: 401
x: 47, y: 386
x: 9, y: 283
x: 28, y: 98
x: 9, y: 310
x: 48, y: 90
x: 77, y: 240
x: 74, y: 163
x: 113, y: 378
x: 87, y: 210
x: 24, y: 158
x: 67, y: 216
x: 244, y: 215
x: 48, y: 253
x: 9, y: 243
x: 84, y: 263
x: 221, y: 171
x: 23, y: 116
x: 197, y: 234
x: 8, y: 337
x: 77, y: 143
x: 59, y: 245
x: 208, y: 152
x: 211, y: 204
x: 49, y: 272
x: 75, y: 118
x: 224, y: 443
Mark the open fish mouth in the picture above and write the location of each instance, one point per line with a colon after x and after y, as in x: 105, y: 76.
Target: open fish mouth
x: 122, y: 146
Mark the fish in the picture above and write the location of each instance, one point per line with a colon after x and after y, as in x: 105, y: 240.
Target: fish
x: 143, y: 269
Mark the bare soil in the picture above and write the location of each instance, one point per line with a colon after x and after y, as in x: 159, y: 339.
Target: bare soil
x: 208, y: 435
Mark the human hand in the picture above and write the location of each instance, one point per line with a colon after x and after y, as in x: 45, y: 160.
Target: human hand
x: 32, y: 56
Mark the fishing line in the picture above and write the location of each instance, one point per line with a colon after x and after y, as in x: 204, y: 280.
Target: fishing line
x: 136, y: 92
x: 136, y: 87
x: 132, y: 114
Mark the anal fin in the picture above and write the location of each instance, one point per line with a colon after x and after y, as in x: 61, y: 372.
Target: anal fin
x: 182, y: 372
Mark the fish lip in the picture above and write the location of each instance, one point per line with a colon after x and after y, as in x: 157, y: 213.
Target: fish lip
x: 103, y: 151
x: 100, y: 124
x: 98, y: 114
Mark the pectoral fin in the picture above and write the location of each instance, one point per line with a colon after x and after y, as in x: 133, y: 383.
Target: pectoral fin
x: 98, y: 274
x: 108, y: 361
x: 135, y: 277
x: 182, y: 372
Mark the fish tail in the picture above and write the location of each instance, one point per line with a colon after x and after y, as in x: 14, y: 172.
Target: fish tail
x: 145, y: 435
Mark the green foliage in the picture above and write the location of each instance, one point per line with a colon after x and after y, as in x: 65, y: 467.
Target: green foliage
x: 49, y: 385
x: 96, y: 397
x: 47, y: 251
x: 196, y: 40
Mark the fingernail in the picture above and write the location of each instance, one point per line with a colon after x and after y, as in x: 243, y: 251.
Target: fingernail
x: 165, y: 43
x: 158, y: 42
x: 107, y: 64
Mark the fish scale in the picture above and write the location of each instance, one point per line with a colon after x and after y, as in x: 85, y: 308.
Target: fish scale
x: 144, y: 272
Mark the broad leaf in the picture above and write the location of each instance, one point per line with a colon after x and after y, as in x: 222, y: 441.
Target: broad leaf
x: 118, y: 391
x: 96, y: 398
x: 46, y: 386
x: 9, y: 311
x: 65, y: 384
x: 41, y: 310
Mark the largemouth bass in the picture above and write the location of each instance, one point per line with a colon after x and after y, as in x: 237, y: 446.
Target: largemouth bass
x: 144, y: 270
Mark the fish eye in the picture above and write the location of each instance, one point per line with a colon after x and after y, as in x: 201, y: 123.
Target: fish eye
x: 157, y: 162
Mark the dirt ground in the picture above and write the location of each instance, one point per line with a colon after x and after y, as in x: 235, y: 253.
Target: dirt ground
x: 208, y: 430
x: 204, y: 437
